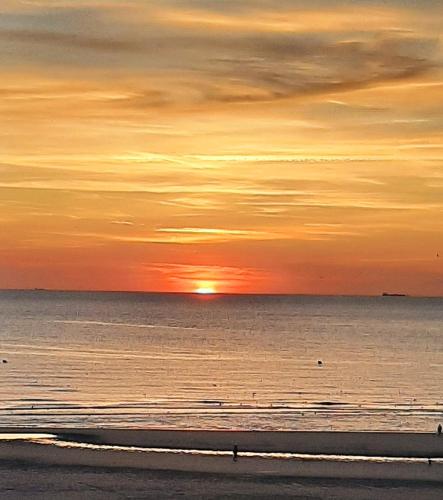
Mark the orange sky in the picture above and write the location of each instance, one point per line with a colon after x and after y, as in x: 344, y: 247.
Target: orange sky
x: 254, y: 146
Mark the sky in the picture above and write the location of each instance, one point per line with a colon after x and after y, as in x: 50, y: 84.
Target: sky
x: 242, y: 146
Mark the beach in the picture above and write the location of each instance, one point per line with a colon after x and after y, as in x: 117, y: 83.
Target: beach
x: 43, y: 482
x: 189, y: 459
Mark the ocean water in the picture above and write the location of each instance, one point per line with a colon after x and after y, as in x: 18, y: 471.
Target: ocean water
x: 220, y: 362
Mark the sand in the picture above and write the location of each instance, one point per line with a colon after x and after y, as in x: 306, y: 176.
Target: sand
x: 20, y: 481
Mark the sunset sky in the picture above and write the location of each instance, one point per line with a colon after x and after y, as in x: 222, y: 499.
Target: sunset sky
x: 247, y: 146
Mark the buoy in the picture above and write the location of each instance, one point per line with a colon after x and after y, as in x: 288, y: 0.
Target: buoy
x: 319, y: 362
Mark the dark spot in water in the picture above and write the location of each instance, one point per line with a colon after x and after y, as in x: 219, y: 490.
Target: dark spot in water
x: 330, y: 403
x: 210, y: 401
x: 62, y: 389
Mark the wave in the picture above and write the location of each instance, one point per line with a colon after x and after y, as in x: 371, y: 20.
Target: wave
x: 73, y: 352
x: 126, y: 325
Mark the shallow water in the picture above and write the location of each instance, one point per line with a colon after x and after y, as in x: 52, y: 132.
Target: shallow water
x: 248, y: 362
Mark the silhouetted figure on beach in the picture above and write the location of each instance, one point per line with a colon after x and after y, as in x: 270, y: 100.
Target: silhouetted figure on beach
x: 235, y: 453
x: 439, y: 429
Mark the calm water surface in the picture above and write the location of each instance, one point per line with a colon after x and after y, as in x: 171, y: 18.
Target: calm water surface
x: 246, y: 362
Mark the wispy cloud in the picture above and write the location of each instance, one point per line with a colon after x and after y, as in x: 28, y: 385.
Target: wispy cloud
x: 200, y: 230
x: 122, y: 222
x: 309, y: 54
x: 71, y: 41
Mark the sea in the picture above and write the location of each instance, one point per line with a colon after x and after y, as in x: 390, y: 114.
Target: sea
x: 250, y: 362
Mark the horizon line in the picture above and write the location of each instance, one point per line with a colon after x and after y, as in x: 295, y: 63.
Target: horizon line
x: 157, y: 292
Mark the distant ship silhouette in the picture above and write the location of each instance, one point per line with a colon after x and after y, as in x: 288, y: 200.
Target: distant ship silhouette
x: 386, y: 294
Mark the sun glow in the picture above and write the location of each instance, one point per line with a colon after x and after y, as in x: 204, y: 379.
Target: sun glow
x: 205, y: 290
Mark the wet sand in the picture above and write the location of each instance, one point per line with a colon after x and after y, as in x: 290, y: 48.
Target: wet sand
x: 43, y: 482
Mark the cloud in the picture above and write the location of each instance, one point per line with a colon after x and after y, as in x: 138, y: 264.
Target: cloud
x: 202, y: 230
x: 290, y: 67
x: 241, y: 67
x: 71, y: 41
x: 186, y: 234
x: 122, y: 222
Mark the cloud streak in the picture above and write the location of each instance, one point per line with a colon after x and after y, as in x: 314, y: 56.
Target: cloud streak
x: 71, y: 41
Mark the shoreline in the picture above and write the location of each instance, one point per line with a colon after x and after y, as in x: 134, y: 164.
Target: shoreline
x: 387, y: 444
x: 54, y: 451
x: 210, y: 452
